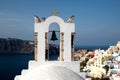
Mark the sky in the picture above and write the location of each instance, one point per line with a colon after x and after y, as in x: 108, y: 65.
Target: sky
x: 97, y: 22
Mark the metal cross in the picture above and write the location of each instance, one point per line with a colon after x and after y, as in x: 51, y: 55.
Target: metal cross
x: 55, y: 12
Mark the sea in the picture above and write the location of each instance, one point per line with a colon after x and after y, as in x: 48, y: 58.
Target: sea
x: 12, y: 64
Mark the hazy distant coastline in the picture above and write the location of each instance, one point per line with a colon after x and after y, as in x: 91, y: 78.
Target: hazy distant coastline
x: 92, y: 47
x: 19, y: 46
x: 16, y: 46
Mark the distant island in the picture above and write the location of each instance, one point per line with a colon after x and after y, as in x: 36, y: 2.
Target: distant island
x: 19, y: 46
x: 16, y: 46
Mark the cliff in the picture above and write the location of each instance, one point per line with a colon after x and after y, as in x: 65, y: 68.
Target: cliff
x: 13, y: 45
x: 19, y: 46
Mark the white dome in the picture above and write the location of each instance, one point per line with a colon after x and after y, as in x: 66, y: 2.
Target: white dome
x: 51, y: 73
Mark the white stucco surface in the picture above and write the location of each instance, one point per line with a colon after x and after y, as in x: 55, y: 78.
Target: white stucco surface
x: 74, y: 65
x: 50, y: 72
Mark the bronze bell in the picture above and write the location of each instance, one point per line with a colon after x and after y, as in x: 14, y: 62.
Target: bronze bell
x: 54, y: 37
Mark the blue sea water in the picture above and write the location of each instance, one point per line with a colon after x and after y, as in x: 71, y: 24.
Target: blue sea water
x: 91, y: 47
x: 12, y: 64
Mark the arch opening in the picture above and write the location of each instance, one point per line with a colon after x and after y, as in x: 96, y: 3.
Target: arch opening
x: 53, y: 45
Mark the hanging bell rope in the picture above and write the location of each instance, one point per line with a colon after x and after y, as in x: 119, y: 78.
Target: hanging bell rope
x: 54, y: 37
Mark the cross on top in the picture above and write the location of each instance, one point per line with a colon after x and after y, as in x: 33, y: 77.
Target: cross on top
x: 55, y: 12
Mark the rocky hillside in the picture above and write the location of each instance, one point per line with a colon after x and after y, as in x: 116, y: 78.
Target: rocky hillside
x: 18, y: 46
x: 13, y: 45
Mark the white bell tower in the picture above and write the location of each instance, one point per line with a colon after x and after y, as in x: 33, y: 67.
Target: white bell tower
x: 41, y: 31
x: 41, y: 64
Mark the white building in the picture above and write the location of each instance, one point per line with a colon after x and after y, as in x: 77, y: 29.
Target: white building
x: 43, y: 69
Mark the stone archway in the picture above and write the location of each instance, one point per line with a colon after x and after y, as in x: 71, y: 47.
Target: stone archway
x: 52, y: 47
x: 66, y: 30
x: 60, y: 23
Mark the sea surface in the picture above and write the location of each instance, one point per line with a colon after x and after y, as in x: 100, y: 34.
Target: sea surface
x: 12, y: 64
